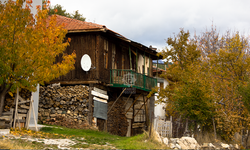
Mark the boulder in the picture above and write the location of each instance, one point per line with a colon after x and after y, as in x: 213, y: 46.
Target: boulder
x: 165, y: 141
x: 208, y: 146
x: 188, y: 143
x: 225, y: 146
x: 158, y: 137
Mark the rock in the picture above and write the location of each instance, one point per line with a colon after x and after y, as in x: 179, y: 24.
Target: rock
x: 59, y: 111
x: 208, y: 145
x: 225, y: 146
x: 62, y: 102
x: 178, y: 146
x: 68, y: 112
x: 236, y: 146
x: 174, y: 140
x: 165, y: 141
x: 46, y: 114
x: 172, y: 146
x: 158, y: 137
x: 53, y: 111
x: 52, y: 115
x: 188, y: 143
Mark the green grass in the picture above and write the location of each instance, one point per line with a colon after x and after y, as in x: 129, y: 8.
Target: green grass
x: 93, y: 137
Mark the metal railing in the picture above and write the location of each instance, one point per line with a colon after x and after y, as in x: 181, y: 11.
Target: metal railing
x: 129, y: 78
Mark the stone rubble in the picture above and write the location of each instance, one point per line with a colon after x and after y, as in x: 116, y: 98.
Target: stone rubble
x: 191, y: 143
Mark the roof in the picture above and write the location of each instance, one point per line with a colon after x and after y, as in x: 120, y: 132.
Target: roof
x: 74, y: 26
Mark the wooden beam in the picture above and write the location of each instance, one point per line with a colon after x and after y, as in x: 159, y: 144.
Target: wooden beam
x: 116, y: 100
x: 99, y: 94
x: 16, y: 113
x: 133, y: 104
x: 75, y: 82
x: 100, y: 91
x: 130, y: 59
x: 100, y: 100
x: 136, y: 61
x: 140, y: 108
x: 127, y: 99
x: 133, y: 52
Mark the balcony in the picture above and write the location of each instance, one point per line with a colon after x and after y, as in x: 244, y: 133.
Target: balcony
x: 129, y: 78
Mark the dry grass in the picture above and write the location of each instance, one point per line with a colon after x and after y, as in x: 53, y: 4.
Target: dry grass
x: 16, y: 144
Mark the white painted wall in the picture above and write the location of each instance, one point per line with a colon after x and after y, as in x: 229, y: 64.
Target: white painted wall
x: 159, y: 108
x: 141, y: 63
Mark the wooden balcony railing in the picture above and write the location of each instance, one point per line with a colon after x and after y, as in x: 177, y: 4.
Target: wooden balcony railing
x: 129, y: 78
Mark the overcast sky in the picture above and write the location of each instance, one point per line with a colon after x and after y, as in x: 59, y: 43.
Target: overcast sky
x: 152, y: 22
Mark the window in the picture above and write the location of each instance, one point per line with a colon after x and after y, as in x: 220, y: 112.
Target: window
x: 106, y: 56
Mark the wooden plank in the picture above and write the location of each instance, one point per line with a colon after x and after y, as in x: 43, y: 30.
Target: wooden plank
x: 100, y: 91
x: 33, y: 110
x: 22, y: 110
x: 133, y: 103
x: 21, y: 99
x: 99, y: 95
x: 100, y: 100
x: 116, y: 100
x: 76, y: 82
x: 16, y: 113
x: 20, y: 116
x: 24, y: 102
x: 24, y: 106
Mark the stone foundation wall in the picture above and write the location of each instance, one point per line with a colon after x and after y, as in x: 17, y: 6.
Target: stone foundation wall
x: 67, y: 101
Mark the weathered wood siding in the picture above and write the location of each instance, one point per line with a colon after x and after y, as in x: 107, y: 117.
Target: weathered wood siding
x: 82, y: 44
x: 93, y: 44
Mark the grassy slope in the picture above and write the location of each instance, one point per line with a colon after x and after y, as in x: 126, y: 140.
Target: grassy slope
x: 100, y: 138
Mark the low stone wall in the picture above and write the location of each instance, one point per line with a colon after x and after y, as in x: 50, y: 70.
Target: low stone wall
x: 70, y: 102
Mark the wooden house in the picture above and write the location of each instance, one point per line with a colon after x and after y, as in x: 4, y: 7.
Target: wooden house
x: 120, y: 66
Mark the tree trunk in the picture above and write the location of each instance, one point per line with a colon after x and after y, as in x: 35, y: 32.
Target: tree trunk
x: 2, y: 98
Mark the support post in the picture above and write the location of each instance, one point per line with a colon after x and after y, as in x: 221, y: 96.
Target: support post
x: 130, y: 60
x: 90, y: 114
x: 16, y: 113
x: 31, y: 103
x: 136, y: 61
x: 145, y: 111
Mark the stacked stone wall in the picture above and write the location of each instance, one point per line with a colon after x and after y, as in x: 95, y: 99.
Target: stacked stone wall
x: 70, y: 102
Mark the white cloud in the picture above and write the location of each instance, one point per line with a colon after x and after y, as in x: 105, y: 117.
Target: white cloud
x: 150, y: 22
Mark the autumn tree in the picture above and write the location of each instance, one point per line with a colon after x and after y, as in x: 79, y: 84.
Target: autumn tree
x: 188, y: 93
x: 229, y: 67
x: 28, y: 48
x: 209, y: 80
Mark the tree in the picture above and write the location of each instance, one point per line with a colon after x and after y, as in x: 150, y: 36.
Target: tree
x: 209, y: 79
x: 28, y: 48
x: 188, y: 93
x: 58, y: 9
